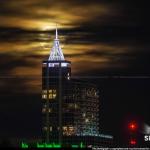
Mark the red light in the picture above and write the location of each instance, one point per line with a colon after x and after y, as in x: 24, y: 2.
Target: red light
x: 133, y: 142
x: 132, y: 126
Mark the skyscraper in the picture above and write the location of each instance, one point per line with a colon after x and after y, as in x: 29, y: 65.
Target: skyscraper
x: 56, y: 72
x: 70, y: 107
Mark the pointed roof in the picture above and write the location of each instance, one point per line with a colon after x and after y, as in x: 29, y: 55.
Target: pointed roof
x: 56, y: 51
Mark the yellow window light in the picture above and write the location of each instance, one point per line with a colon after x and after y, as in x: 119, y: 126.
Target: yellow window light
x: 44, y: 96
x: 44, y: 91
x: 50, y: 91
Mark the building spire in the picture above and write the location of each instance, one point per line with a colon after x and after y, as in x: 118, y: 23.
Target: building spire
x: 56, y: 51
x: 56, y: 36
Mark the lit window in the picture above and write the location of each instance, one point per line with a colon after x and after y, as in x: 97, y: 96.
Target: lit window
x: 68, y: 130
x: 50, y: 91
x: 44, y: 96
x: 76, y: 106
x: 73, y: 106
x: 86, y: 120
x: 43, y: 110
x: 52, y: 96
x: 83, y: 114
x: 65, y: 127
x: 68, y: 76
x: 50, y: 128
x: 71, y: 128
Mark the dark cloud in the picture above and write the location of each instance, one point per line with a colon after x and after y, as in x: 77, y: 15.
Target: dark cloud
x: 9, y: 62
x: 9, y: 34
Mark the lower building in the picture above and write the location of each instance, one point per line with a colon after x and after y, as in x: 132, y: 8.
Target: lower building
x: 78, y: 116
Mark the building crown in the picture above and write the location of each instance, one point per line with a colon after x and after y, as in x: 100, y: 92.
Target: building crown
x: 56, y: 51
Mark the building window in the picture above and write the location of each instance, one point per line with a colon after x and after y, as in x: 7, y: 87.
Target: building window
x: 76, y: 106
x: 83, y: 114
x: 86, y: 120
x: 50, y: 128
x: 68, y: 130
x: 68, y: 76
x: 44, y: 96
x: 45, y: 128
x: 51, y: 94
x: 50, y: 91
x: 73, y: 106
x: 44, y: 110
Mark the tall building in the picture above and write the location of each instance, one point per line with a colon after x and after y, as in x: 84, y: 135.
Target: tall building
x: 55, y: 73
x: 70, y: 107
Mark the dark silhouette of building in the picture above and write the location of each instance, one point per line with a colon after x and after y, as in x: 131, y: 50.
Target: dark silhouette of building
x: 70, y: 107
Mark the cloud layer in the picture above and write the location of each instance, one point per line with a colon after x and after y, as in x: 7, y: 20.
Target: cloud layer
x: 106, y: 37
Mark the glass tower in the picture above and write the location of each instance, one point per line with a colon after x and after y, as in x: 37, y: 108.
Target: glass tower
x: 70, y: 107
x: 56, y: 72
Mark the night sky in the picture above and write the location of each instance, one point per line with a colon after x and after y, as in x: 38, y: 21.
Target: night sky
x: 107, y: 43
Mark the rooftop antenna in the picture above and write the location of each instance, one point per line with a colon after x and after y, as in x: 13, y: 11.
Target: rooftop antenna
x: 56, y: 36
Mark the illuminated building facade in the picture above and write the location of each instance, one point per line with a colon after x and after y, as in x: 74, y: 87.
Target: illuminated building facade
x: 70, y: 107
